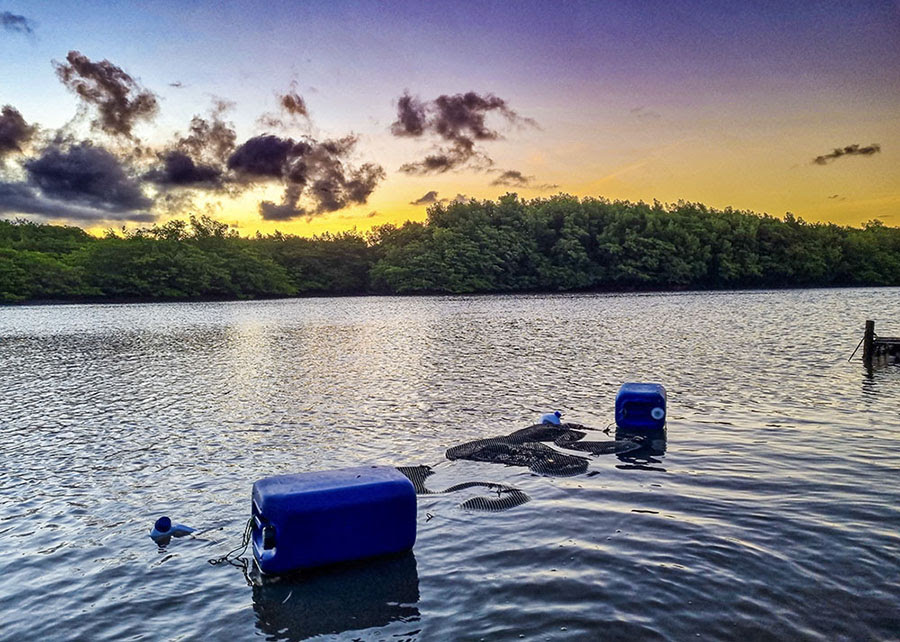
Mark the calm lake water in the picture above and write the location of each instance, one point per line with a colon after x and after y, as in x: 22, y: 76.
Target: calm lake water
x: 774, y: 512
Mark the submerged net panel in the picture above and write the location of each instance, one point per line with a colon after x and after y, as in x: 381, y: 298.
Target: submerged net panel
x: 603, y: 447
x: 524, y: 448
x: 417, y: 475
x: 538, y: 432
x: 509, y: 499
x: 536, y: 456
x: 506, y: 496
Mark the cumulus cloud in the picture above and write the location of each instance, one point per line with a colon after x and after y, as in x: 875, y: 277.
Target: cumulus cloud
x: 317, y: 170
x: 15, y: 23
x: 426, y: 199
x: 88, y: 174
x: 119, y: 99
x: 198, y: 158
x: 180, y: 170
x: 19, y: 198
x: 515, y: 178
x: 459, y: 120
x: 91, y: 181
x: 265, y: 156
x: 287, y: 209
x: 849, y: 150
x: 211, y: 139
x: 79, y: 181
x: 14, y: 131
x: 411, y: 117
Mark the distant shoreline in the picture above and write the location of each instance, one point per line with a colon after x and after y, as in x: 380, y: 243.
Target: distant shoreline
x: 532, y: 293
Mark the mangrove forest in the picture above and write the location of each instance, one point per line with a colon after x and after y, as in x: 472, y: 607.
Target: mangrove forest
x: 554, y: 244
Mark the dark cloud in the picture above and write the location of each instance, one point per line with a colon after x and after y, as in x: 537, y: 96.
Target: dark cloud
x: 430, y: 197
x: 292, y: 103
x: 336, y: 189
x: 411, y: 118
x: 78, y: 181
x: 85, y: 174
x: 197, y: 159
x: 459, y: 120
x: 849, y: 150
x: 463, y: 153
x: 452, y: 117
x: 119, y: 99
x: 288, y: 208
x: 463, y: 115
x: 210, y: 139
x: 265, y: 156
x: 19, y: 198
x: 180, y: 170
x: 16, y: 24
x: 14, y: 131
x: 89, y: 181
x: 515, y: 178
x: 317, y: 170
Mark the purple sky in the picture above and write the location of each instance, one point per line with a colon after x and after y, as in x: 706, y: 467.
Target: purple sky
x: 727, y: 103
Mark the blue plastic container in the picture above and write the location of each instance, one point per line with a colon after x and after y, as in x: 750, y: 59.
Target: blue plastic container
x: 314, y: 519
x: 641, y: 406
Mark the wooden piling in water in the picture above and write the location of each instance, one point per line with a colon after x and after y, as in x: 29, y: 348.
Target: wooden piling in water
x: 868, y: 342
x: 875, y: 347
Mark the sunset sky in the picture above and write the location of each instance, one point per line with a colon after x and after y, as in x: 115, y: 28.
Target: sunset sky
x: 764, y: 106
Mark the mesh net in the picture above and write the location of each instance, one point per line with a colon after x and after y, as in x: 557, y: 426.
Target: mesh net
x: 502, y: 497
x: 522, y: 448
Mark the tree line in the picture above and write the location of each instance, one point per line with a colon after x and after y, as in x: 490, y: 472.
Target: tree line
x: 560, y: 243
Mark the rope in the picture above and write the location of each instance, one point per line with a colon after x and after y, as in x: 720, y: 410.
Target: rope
x: 857, y: 348
x: 238, y: 561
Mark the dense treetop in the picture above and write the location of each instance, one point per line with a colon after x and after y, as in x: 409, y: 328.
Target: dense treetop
x: 553, y: 244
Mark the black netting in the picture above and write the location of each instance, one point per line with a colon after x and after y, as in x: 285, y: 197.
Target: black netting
x: 523, y: 448
x: 506, y: 496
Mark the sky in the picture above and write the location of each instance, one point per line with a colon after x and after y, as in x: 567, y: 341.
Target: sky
x: 309, y: 117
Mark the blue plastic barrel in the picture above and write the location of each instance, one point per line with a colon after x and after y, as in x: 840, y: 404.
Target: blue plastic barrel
x: 641, y: 406
x: 314, y: 519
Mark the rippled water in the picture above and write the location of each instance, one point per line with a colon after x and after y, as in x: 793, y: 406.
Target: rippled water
x: 773, y: 514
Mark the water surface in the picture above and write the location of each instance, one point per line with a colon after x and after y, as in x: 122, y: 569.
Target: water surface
x: 772, y: 514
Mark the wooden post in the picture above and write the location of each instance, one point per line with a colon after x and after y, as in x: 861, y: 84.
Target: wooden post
x: 868, y: 341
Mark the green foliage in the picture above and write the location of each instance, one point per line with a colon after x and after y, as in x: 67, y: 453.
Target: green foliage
x: 559, y: 243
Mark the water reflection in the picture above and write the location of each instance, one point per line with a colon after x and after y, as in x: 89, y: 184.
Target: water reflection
x: 884, y: 370
x: 338, y: 599
x: 653, y: 445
